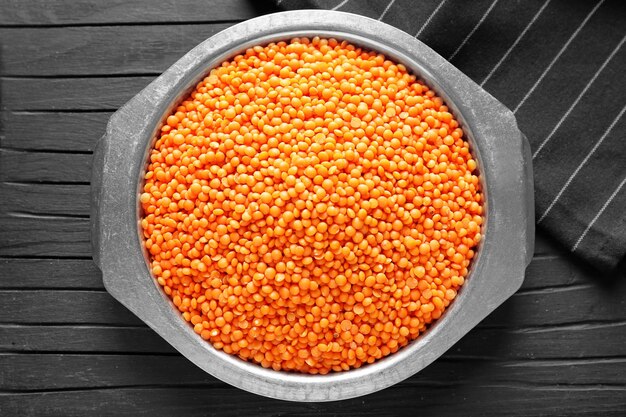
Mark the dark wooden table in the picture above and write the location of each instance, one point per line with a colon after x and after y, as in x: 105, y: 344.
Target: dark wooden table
x: 67, y: 348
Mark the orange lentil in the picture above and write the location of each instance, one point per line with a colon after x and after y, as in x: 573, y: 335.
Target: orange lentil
x: 311, y: 206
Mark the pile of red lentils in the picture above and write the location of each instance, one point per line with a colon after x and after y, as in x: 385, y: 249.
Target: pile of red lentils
x: 311, y: 206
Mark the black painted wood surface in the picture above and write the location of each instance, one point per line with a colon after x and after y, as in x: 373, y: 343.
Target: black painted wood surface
x: 67, y: 348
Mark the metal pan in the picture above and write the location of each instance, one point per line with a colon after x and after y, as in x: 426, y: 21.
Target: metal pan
x: 506, y: 174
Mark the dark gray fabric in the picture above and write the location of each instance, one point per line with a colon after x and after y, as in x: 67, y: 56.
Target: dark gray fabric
x: 559, y: 65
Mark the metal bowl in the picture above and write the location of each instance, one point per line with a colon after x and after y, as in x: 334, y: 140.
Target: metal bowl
x: 506, y: 174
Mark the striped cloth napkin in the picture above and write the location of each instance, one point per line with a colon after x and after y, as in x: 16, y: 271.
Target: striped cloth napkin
x: 560, y: 66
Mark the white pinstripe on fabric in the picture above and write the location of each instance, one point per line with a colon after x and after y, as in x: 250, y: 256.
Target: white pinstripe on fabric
x: 591, y: 152
x: 469, y: 35
x: 557, y: 56
x: 419, y: 32
x: 519, y: 38
x: 582, y: 93
x: 386, y: 9
x: 598, y: 214
x: 340, y: 5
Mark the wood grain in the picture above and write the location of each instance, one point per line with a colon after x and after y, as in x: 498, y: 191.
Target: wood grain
x: 69, y: 94
x: 49, y: 306
x: 83, y: 274
x: 512, y: 399
x: 548, y: 307
x: 99, y: 50
x: 50, y: 274
x: 554, y: 306
x: 556, y: 342
x: 97, y: 371
x: 52, y: 131
x: 69, y: 237
x: 46, y: 199
x: 543, y: 342
x: 550, y: 267
x: 44, y: 166
x: 36, y: 236
x: 82, y: 339
x: 88, y: 12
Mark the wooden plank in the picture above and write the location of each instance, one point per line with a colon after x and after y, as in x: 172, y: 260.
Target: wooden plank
x: 546, y: 342
x: 511, y: 400
x: 84, y: 338
x: 43, y: 94
x: 542, y: 273
x: 50, y: 274
x: 37, y: 236
x: 44, y: 166
x: 62, y: 371
x: 549, y: 307
x: 563, y: 342
x: 562, y: 305
x: 99, y: 50
x: 52, y: 131
x: 86, y: 12
x: 79, y: 371
x: 555, y: 270
x: 50, y: 199
x: 61, y: 273
x: 45, y: 306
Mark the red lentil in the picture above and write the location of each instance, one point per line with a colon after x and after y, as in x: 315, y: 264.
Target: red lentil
x: 311, y: 206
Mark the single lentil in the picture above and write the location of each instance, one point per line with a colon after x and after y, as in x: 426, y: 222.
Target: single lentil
x: 311, y: 206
